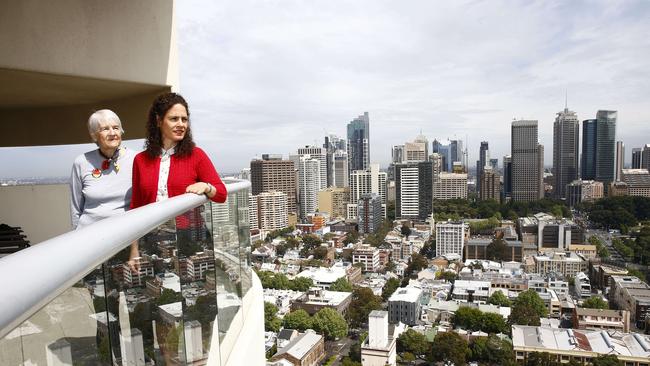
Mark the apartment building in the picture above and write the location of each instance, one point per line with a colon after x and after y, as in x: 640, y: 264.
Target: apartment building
x: 601, y: 319
x: 633, y: 295
x: 368, y: 256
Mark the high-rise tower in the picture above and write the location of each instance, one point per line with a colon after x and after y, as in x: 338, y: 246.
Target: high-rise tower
x: 605, y: 146
x: 526, y: 162
x: 359, y: 143
x: 483, y: 158
x: 620, y: 160
x: 566, y: 138
x: 588, y: 166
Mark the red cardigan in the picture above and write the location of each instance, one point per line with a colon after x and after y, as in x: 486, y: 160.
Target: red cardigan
x: 183, y: 171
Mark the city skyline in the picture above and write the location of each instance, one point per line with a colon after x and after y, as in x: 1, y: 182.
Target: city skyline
x: 413, y: 68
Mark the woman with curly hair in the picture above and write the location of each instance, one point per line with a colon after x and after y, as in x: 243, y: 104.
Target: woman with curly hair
x: 171, y: 163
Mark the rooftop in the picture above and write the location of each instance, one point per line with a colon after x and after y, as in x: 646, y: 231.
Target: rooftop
x: 407, y: 294
x: 301, y: 345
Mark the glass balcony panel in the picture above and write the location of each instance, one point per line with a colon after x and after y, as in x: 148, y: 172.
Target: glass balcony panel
x: 71, y: 327
x: 184, y: 304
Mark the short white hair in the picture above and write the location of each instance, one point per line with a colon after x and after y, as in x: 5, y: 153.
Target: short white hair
x: 102, y: 115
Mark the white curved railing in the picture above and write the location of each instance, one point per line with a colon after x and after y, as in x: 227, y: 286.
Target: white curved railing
x: 31, y: 279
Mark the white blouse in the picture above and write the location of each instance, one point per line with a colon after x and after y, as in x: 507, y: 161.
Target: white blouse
x: 163, y: 173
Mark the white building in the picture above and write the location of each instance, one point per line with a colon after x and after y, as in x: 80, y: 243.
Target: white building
x: 366, y: 181
x: 309, y: 183
x: 324, y: 277
x: 368, y: 256
x: 269, y: 210
x: 379, y: 349
x: 449, y: 186
x: 409, y: 189
x: 317, y: 153
x: 451, y: 238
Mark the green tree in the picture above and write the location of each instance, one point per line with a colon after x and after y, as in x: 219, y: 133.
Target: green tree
x: 498, y: 250
x: 498, y: 298
x: 351, y: 237
x: 311, y: 240
x: 541, y: 359
x: 405, y: 230
x: 168, y: 296
x: 492, y: 350
x: 417, y: 262
x: 493, y: 323
x: 447, y: 275
x: 414, y: 342
x: 527, y: 309
x: 363, y: 302
x: 329, y: 322
x: 391, y: 285
x: 595, y: 302
x: 449, y: 346
x: 607, y: 360
x: 468, y: 318
x: 298, y: 319
x: 271, y: 321
x: 342, y: 284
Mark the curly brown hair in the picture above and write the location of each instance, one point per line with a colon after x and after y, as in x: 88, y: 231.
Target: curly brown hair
x: 159, y: 108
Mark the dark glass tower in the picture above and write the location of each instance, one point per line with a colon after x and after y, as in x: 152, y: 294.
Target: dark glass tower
x: 588, y: 169
x: 359, y: 143
x: 606, y: 146
x: 480, y: 163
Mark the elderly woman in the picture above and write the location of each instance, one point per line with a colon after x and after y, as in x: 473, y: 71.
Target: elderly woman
x: 171, y: 163
x: 101, y: 179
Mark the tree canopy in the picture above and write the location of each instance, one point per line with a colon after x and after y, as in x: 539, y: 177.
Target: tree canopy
x: 449, y: 346
x: 389, y: 288
x: 414, y: 342
x: 500, y: 299
x: 329, y: 322
x: 271, y: 321
x: 527, y: 309
x: 595, y: 302
x: 363, y: 302
x: 298, y: 319
x: 341, y: 284
x: 498, y: 250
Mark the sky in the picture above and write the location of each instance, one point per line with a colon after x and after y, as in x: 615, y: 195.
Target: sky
x: 272, y: 76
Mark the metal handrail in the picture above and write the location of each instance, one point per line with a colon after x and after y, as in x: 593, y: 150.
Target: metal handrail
x: 31, y: 278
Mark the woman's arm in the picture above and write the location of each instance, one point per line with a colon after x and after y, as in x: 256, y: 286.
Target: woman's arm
x: 209, y: 181
x: 76, y: 195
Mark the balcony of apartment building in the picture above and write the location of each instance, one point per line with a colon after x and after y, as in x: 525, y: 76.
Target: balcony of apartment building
x: 70, y: 298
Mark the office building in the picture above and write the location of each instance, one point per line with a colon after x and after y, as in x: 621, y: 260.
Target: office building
x: 334, y: 201
x: 605, y: 146
x: 397, y: 154
x: 483, y: 160
x: 490, y: 184
x: 507, y: 178
x: 549, y: 233
x: 565, y: 264
x: 309, y: 178
x: 379, y: 348
x: 599, y: 147
x: 451, y: 152
x: 645, y: 157
x: 413, y: 190
x: 637, y: 181
x: 451, y: 238
x: 620, y: 160
x: 583, y: 191
x: 631, y: 294
x: 476, y: 248
x: 319, y: 154
x: 366, y: 181
x: 527, y: 161
x: 405, y: 306
x: 582, y: 346
x: 333, y: 145
x: 271, y: 211
x: 369, y: 213
x: 341, y: 172
x: 588, y: 159
x: 368, y: 256
x: 471, y: 291
x: 566, y: 135
x: 450, y: 186
x: 636, y: 158
x: 359, y: 143
x: 271, y: 173
x: 416, y: 151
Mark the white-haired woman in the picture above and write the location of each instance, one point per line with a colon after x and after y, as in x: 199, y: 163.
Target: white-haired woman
x: 101, y: 179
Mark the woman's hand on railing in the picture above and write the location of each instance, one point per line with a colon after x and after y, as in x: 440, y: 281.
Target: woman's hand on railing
x: 134, y: 258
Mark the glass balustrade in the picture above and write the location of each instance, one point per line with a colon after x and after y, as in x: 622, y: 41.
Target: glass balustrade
x: 180, y: 302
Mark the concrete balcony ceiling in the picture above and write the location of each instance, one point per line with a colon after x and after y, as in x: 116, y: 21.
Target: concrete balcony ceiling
x: 72, y: 58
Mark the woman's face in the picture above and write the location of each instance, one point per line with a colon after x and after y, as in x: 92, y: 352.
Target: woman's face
x: 174, y: 124
x: 109, y: 135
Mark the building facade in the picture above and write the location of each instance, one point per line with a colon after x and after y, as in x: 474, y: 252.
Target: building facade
x: 527, y: 158
x: 334, y: 200
x: 490, y: 184
x: 271, y: 173
x: 638, y: 182
x: 566, y: 133
x: 369, y: 213
x: 359, y: 143
x: 451, y: 238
